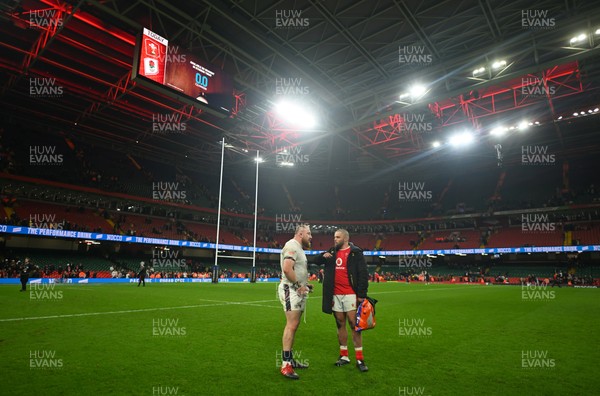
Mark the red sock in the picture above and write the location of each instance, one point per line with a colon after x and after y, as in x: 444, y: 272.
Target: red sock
x: 359, y: 353
x: 343, y: 350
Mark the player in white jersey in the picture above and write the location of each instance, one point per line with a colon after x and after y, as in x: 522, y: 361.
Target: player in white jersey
x: 292, y: 293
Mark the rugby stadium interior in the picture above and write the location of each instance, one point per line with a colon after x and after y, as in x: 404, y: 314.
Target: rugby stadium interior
x: 456, y: 140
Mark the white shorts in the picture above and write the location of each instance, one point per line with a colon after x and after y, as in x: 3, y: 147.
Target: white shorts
x: 344, y: 302
x: 290, y: 299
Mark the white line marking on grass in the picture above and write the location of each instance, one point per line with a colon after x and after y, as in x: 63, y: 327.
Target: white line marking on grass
x: 238, y: 302
x: 218, y: 303
x: 244, y: 302
x: 254, y: 303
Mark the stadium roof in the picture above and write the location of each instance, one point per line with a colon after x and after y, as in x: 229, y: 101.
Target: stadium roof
x: 349, y: 60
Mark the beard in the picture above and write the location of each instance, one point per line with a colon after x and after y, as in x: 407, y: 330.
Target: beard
x: 305, y: 244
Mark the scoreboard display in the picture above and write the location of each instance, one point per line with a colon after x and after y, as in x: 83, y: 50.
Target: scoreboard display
x: 160, y: 64
x: 153, y: 56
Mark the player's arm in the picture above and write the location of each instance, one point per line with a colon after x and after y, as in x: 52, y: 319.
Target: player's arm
x: 288, y: 269
x: 319, y: 259
x: 324, y: 257
x: 290, y: 274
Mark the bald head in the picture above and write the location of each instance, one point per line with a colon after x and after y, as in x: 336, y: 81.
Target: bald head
x: 341, y: 238
x: 344, y: 232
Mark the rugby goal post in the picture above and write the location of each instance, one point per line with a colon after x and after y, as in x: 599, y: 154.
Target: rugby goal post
x: 215, y: 273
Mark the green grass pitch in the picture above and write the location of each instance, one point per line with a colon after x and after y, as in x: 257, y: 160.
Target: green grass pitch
x: 225, y: 339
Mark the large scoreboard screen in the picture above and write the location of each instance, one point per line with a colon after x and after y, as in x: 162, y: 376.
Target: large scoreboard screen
x: 158, y: 63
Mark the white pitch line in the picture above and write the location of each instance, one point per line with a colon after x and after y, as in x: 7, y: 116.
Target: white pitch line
x: 236, y: 302
x: 254, y: 303
x: 217, y: 303
x: 220, y: 303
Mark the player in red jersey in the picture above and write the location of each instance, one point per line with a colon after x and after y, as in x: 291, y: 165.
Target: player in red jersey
x: 345, y: 285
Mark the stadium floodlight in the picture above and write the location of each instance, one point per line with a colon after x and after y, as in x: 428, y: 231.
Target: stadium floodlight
x: 295, y: 114
x: 436, y: 144
x: 417, y: 91
x: 590, y: 111
x: 577, y: 38
x: 596, y: 110
x: 404, y: 95
x: 259, y: 160
x: 582, y: 113
x: 537, y: 123
x: 575, y: 114
x: 478, y: 71
x: 498, y: 64
x: 559, y: 118
x: 597, y: 31
x: 523, y: 125
x: 461, y: 139
x: 498, y: 131
x: 286, y: 163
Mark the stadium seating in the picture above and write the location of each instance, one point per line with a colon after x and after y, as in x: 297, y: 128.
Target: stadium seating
x: 589, y: 236
x: 85, y: 218
x: 522, y: 189
x: 472, y: 240
x: 516, y: 237
x: 394, y: 241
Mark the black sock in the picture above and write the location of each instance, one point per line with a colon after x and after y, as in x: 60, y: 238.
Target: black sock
x: 287, y: 356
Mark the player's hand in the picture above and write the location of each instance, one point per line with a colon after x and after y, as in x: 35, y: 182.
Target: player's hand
x: 327, y: 255
x: 303, y: 291
x: 359, y: 300
x: 310, y: 288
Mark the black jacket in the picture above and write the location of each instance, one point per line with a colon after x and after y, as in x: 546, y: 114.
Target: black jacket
x: 25, y: 272
x: 358, y: 274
